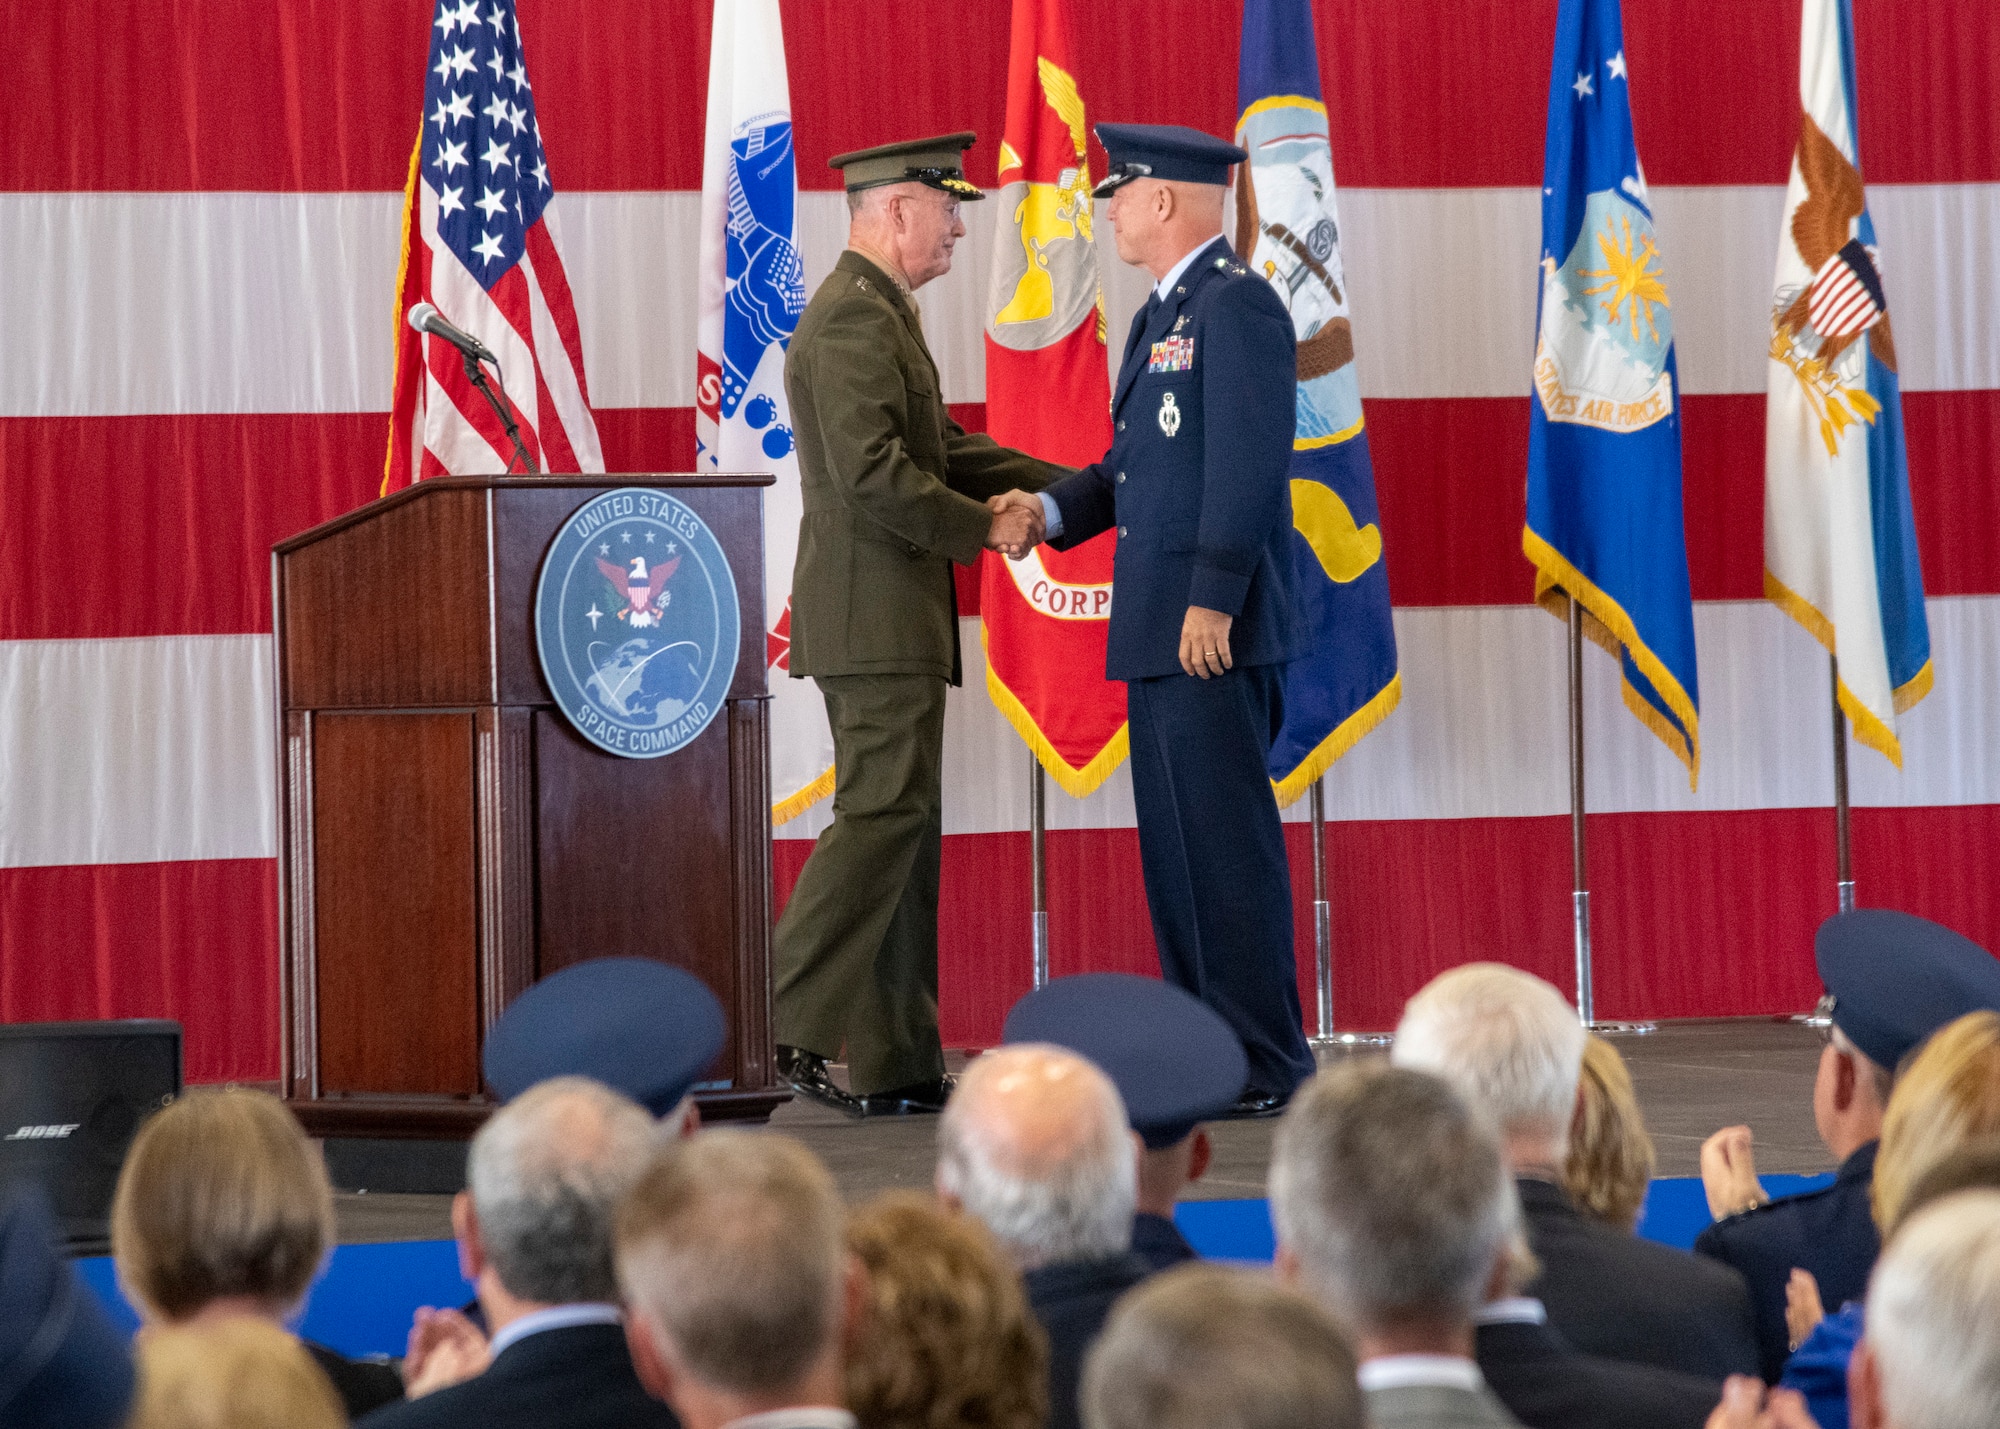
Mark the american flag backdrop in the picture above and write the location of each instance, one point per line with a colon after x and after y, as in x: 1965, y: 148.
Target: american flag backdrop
x: 477, y: 245
x: 201, y: 225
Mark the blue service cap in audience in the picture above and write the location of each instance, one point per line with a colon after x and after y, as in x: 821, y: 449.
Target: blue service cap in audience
x: 1163, y: 151
x: 1896, y: 978
x: 638, y: 1026
x: 62, y: 1361
x: 1172, y: 1057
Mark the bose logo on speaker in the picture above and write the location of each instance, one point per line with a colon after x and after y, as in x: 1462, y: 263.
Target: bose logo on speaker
x: 55, y: 1132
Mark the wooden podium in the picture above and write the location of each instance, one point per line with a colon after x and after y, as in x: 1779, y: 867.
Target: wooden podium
x: 446, y: 838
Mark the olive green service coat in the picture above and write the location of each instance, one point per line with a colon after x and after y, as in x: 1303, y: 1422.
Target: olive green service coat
x: 895, y: 492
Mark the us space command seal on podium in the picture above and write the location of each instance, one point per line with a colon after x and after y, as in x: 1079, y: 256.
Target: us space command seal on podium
x: 636, y: 623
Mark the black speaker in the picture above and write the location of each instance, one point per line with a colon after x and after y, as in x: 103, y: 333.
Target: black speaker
x: 72, y: 1095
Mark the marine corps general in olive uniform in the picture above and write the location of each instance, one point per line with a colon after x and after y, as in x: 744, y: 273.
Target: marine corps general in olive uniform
x: 895, y: 492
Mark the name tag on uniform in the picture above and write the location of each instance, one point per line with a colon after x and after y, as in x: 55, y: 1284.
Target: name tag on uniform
x: 1173, y: 354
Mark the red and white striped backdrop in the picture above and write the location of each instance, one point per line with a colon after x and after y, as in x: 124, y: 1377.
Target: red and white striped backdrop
x: 198, y: 210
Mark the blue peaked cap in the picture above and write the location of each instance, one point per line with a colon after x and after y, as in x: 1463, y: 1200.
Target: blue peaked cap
x: 1896, y: 978
x: 1164, y: 151
x: 641, y: 1027
x: 62, y: 1362
x: 1171, y: 1056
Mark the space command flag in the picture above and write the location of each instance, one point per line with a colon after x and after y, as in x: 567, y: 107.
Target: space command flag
x: 1045, y: 618
x: 1604, y: 436
x: 1288, y: 229
x: 752, y: 290
x: 1840, y: 540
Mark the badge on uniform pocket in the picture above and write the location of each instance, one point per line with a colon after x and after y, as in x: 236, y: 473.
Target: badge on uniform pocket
x: 1172, y: 354
x: 1170, y: 415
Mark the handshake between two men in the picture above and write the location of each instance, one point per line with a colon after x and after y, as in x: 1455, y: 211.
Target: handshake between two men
x: 1019, y: 525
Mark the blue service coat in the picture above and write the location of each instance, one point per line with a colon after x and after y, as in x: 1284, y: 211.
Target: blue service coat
x: 1197, y: 480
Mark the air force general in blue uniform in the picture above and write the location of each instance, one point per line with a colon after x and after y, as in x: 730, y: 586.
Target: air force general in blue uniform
x: 1197, y: 485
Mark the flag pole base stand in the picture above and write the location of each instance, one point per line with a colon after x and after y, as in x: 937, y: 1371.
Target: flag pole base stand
x: 1348, y: 1041
x: 1623, y: 1029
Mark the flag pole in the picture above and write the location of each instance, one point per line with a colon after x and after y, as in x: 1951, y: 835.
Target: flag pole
x: 1326, y: 1039
x: 1586, y: 997
x: 1842, y: 849
x: 1038, y: 844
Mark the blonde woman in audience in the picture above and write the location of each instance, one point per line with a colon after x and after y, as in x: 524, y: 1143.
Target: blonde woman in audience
x: 1947, y: 1098
x: 1610, y: 1162
x: 234, y: 1373
x: 223, y: 1210
x: 946, y: 1339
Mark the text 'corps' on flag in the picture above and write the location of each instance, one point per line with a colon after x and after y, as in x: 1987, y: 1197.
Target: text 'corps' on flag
x: 477, y: 245
x: 1605, y: 526
x: 1288, y: 229
x: 1840, y: 537
x: 752, y: 290
x: 1048, y: 393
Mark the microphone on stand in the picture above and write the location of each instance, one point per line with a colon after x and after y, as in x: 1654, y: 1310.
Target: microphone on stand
x: 427, y: 319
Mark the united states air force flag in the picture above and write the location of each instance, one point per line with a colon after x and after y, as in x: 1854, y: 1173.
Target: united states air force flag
x: 1840, y: 540
x: 1604, y: 437
x: 1288, y: 229
x: 752, y: 286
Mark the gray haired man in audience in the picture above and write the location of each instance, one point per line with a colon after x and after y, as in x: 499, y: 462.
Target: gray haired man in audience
x: 1512, y: 1046
x: 1035, y: 1144
x: 1394, y: 1211
x: 547, y: 1173
x: 739, y: 1288
x: 1212, y: 1347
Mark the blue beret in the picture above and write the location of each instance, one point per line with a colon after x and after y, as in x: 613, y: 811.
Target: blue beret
x: 640, y: 1027
x: 1164, y: 151
x: 62, y: 1361
x: 1896, y: 978
x: 1172, y: 1057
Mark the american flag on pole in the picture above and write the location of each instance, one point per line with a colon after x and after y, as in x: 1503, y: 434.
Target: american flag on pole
x: 477, y: 245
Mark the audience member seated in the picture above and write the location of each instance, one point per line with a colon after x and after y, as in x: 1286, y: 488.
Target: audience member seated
x: 63, y: 1365
x: 223, y: 1209
x: 740, y: 1293
x: 1204, y: 1347
x: 1947, y: 1098
x: 1035, y: 1144
x: 1610, y: 1161
x: 1891, y: 980
x: 946, y: 1339
x: 1394, y: 1211
x: 1931, y: 1358
x: 237, y: 1372
x: 1547, y: 1383
x: 546, y: 1174
x: 1509, y: 1042
x: 1175, y: 1062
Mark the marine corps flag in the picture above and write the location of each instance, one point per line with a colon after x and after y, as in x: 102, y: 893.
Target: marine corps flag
x: 1288, y: 229
x: 1049, y: 394
x: 752, y: 292
x: 1840, y: 541
x: 1604, y: 435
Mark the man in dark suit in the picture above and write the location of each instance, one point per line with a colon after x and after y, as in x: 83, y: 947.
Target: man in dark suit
x: 1203, y: 615
x: 1891, y: 980
x: 739, y: 1286
x: 1547, y: 1383
x: 1036, y: 1145
x: 1511, y: 1044
x: 894, y: 494
x: 546, y: 1174
x: 1175, y: 1063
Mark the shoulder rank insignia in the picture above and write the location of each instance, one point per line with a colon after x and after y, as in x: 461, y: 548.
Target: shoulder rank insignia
x: 1170, y: 415
x: 1172, y: 354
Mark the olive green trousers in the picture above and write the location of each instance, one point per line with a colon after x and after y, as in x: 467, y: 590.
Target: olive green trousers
x: 857, y: 947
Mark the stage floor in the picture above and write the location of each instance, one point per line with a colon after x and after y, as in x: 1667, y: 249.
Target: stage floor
x: 1692, y: 1078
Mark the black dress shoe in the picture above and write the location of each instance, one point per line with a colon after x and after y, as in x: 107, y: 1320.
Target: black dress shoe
x: 917, y: 1099
x: 1254, y: 1105
x: 807, y: 1073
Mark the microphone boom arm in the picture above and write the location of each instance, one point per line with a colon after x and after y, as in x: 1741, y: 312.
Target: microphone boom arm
x: 504, y: 409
